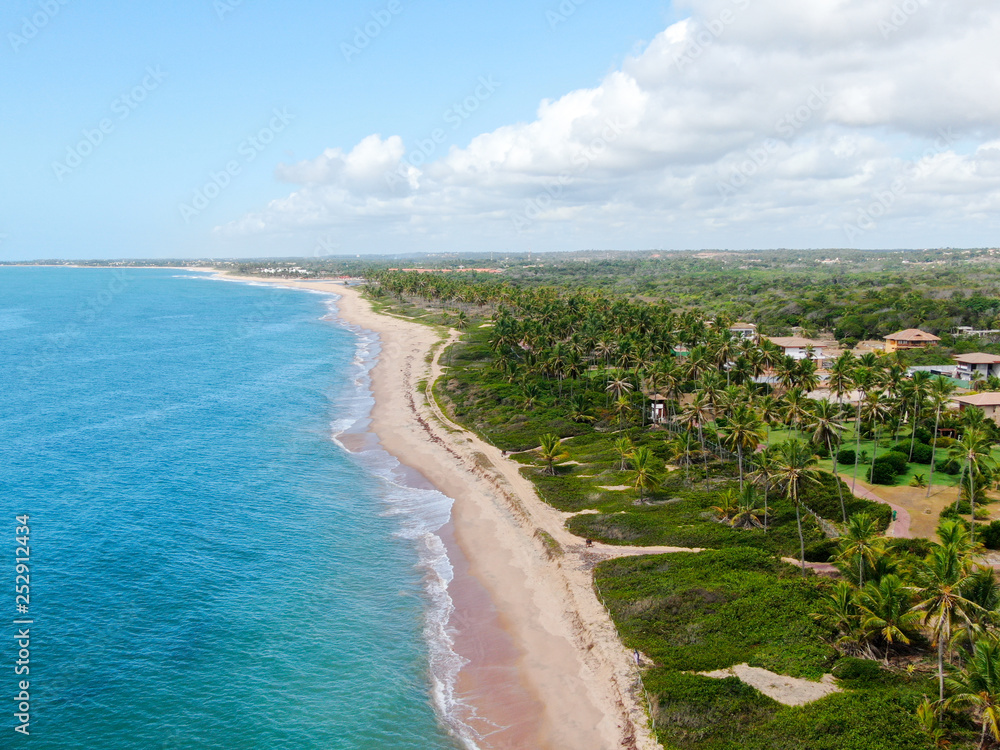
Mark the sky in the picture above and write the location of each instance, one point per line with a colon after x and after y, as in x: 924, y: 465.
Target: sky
x: 245, y: 128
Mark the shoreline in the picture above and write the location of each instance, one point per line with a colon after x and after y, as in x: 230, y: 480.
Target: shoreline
x: 545, y: 667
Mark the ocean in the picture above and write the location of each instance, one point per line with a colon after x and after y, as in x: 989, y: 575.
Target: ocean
x: 209, y: 566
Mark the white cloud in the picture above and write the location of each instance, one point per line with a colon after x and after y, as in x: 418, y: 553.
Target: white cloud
x: 750, y: 123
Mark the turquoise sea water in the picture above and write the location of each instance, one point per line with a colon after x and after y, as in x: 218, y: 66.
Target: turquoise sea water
x: 209, y: 568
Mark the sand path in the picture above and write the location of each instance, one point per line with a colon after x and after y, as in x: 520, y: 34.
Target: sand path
x: 899, y: 527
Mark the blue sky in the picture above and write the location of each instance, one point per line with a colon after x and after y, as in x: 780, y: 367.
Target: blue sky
x: 548, y: 126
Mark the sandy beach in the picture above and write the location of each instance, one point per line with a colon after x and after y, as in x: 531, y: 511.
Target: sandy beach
x: 545, y: 666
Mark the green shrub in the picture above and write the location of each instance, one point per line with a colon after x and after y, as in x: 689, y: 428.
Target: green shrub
x: 917, y: 547
x: 846, y: 456
x: 947, y: 466
x: 923, y: 435
x: 990, y: 535
x: 821, y: 551
x: 897, y: 460
x: 860, y: 672
x: 822, y: 451
x: 922, y: 453
x: 942, y: 442
x: 882, y: 473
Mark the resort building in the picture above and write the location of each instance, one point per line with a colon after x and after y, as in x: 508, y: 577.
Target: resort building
x: 984, y: 364
x: 911, y: 338
x: 988, y: 402
x: 744, y: 331
x: 798, y: 348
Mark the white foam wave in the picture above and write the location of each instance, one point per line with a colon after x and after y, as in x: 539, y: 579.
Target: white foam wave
x: 420, y: 514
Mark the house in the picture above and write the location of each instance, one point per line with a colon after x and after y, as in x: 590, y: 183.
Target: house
x: 911, y: 338
x: 744, y: 331
x: 798, y: 348
x: 985, y: 364
x: 988, y: 402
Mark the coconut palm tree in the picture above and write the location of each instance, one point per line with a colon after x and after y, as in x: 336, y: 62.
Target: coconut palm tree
x: 978, y: 685
x: 861, y: 541
x: 940, y: 580
x: 824, y: 425
x: 747, y: 514
x: 864, y: 379
x: 795, y: 469
x: 682, y: 449
x: 839, y: 611
x: 920, y: 386
x: 796, y: 407
x: 875, y: 409
x: 766, y: 470
x: 551, y: 452
x: 941, y: 389
x: 642, y: 463
x: 887, y: 613
x: 841, y: 380
x: 974, y: 449
x: 697, y: 414
x: 624, y: 447
x: 744, y: 432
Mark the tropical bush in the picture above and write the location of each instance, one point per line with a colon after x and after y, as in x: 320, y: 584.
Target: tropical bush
x: 897, y: 460
x: 845, y: 456
x: 922, y: 453
x: 990, y: 535
x: 882, y: 473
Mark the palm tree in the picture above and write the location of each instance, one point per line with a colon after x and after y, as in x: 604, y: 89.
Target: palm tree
x: 920, y: 387
x: 682, y: 449
x: 747, y: 514
x: 974, y: 449
x: 978, y: 685
x: 887, y: 613
x: 841, y: 380
x: 823, y: 421
x: 864, y: 378
x: 623, y: 408
x: 940, y: 390
x: 696, y: 414
x: 624, y: 447
x: 839, y: 611
x: 642, y: 464
x: 796, y: 407
x: 795, y: 468
x: 744, y: 432
x: 940, y: 580
x: 551, y: 452
x: 766, y: 462
x: 862, y: 542
x: 875, y: 409
x: 618, y: 386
